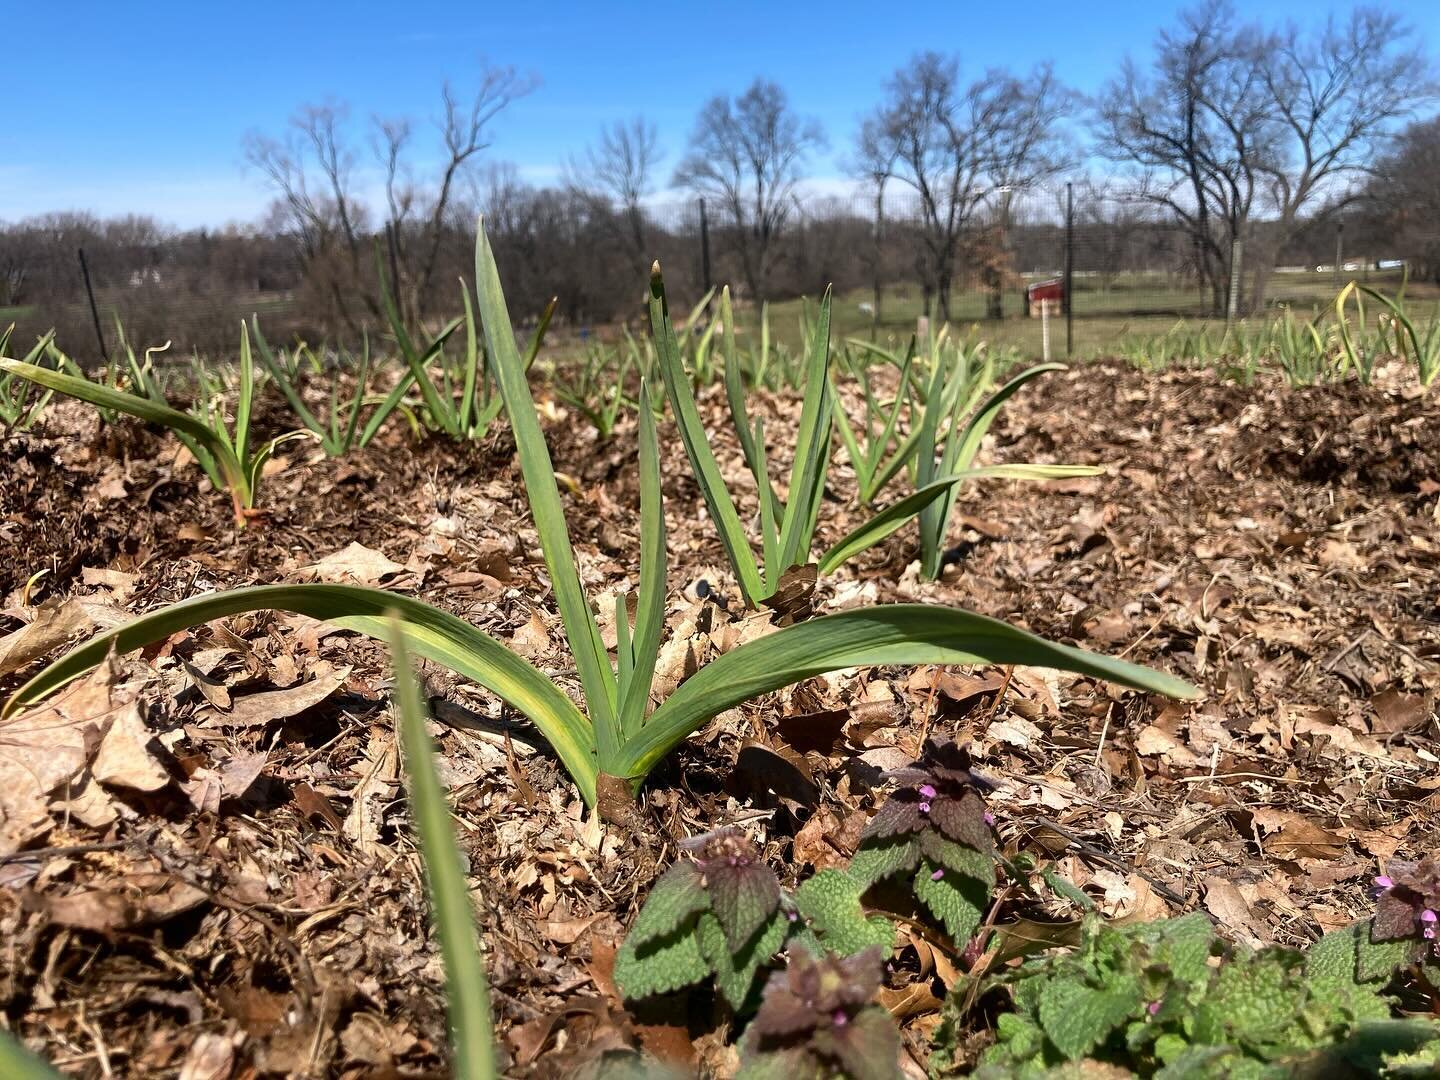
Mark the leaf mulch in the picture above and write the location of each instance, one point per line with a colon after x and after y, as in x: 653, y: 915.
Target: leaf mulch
x: 205, y: 864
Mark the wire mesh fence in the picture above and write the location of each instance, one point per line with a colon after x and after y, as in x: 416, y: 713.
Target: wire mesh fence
x: 1001, y: 270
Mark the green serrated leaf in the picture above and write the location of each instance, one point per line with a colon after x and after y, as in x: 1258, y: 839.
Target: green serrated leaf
x: 1021, y: 1036
x: 661, y: 964
x: 881, y: 858
x: 778, y: 1065
x: 1379, y: 959
x: 1188, y: 1062
x: 1077, y: 1018
x: 1259, y: 998
x: 957, y: 900
x: 958, y: 858
x: 743, y: 898
x: 831, y: 901
x: 1183, y: 945
x: 1333, y: 957
x: 679, y: 894
x: 735, y: 974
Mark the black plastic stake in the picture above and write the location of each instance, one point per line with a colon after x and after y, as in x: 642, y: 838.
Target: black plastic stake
x: 94, y: 311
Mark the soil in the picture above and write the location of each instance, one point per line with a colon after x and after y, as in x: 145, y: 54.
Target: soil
x: 258, y: 908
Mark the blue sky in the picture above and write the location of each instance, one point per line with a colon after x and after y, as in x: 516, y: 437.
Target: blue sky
x: 143, y: 106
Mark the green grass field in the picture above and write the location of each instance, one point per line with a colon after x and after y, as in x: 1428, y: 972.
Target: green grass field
x: 1132, y: 306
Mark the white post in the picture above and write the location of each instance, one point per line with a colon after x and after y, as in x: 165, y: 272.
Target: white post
x: 1045, y: 329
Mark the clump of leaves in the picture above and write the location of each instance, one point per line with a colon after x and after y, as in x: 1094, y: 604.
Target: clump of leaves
x: 222, y: 448
x: 721, y: 913
x: 717, y: 914
x: 1407, y: 909
x: 20, y: 402
x: 1170, y: 999
x: 819, y: 1019
x: 934, y: 829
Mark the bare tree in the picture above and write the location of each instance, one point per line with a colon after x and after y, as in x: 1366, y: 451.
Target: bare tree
x: 873, y: 164
x: 327, y: 221
x: 619, y: 171
x: 961, y: 147
x: 747, y: 155
x: 312, y: 172
x: 1405, y: 195
x: 315, y: 134
x: 1336, y: 96
x: 1233, y: 123
x: 462, y: 130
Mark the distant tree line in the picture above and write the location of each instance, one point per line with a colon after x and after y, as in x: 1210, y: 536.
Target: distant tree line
x: 1233, y: 147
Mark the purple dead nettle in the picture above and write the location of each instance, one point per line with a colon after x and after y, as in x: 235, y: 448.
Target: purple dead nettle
x: 820, y: 1014
x: 938, y: 794
x: 1408, y: 902
x: 744, y: 892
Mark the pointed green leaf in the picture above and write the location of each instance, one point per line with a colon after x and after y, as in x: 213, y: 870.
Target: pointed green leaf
x: 697, y: 446
x: 735, y: 973
x: 591, y: 659
x: 1077, y: 1018
x: 957, y: 900
x: 650, y: 609
x: 884, y: 857
x: 17, y: 1063
x: 679, y: 894
x: 467, y: 994
x: 432, y: 633
x: 896, y: 516
x: 886, y: 634
x: 661, y: 964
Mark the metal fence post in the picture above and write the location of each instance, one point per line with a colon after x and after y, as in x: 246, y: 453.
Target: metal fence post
x: 1339, y: 252
x: 1068, y: 298
x: 1232, y: 306
x: 878, y: 255
x: 704, y: 250
x: 94, y: 311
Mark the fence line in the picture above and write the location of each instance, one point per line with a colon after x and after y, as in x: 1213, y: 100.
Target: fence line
x: 1117, y: 260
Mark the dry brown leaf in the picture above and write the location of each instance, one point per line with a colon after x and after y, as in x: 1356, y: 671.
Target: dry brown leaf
x: 531, y: 640
x: 46, y: 747
x: 826, y: 841
x: 206, y: 787
x: 356, y: 564
x: 376, y: 1040
x: 1397, y: 712
x: 53, y: 625
x: 138, y: 900
x: 118, y: 582
x: 378, y: 781
x: 1293, y: 836
x: 1153, y: 742
x: 569, y: 931
x: 253, y: 710
x: 211, y: 1057
x: 1228, y: 905
x: 212, y: 690
x: 908, y: 1001
x: 125, y: 758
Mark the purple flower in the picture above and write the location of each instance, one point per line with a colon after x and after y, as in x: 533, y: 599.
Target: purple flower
x: 743, y: 891
x: 1408, y: 901
x: 938, y: 795
x: 819, y: 1015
